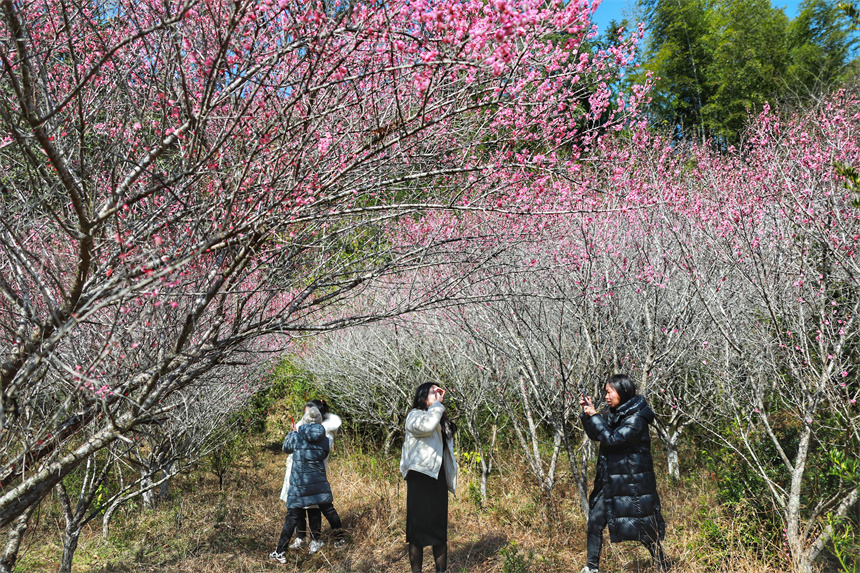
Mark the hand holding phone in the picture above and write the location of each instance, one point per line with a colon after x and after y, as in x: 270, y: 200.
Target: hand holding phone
x: 586, y: 403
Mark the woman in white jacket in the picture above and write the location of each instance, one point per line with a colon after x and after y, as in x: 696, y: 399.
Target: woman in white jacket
x: 430, y: 469
x: 312, y: 516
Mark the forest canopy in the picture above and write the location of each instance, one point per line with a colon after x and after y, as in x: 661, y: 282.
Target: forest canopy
x: 717, y: 62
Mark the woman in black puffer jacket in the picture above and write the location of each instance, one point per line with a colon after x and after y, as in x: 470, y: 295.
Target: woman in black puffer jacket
x: 625, y: 487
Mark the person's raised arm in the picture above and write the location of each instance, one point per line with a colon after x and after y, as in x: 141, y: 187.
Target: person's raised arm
x: 422, y: 423
x: 627, y: 433
x: 290, y: 442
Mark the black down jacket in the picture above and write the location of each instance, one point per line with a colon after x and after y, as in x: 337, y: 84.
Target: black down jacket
x: 308, y: 482
x: 625, y: 471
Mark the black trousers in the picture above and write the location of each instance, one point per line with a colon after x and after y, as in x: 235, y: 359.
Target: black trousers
x: 296, y: 515
x: 290, y: 522
x: 314, y: 521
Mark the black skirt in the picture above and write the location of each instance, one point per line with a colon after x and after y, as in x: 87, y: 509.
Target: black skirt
x: 426, y: 509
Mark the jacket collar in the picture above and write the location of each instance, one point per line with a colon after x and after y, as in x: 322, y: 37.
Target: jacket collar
x: 631, y: 406
x: 636, y: 404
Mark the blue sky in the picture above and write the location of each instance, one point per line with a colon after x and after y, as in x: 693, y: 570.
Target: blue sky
x: 619, y: 9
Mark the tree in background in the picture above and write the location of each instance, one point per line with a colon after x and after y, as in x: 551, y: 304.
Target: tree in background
x: 748, y: 66
x: 717, y: 62
x: 202, y: 423
x: 371, y: 374
x: 851, y: 12
x: 768, y: 239
x: 821, y: 49
x: 680, y: 51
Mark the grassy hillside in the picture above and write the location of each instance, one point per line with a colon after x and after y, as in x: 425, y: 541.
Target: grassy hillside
x: 198, y: 528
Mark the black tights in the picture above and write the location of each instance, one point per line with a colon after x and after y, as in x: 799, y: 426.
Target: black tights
x: 440, y: 556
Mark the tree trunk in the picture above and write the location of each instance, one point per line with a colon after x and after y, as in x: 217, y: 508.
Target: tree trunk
x: 802, y: 563
x: 148, y: 495
x: 670, y: 435
x: 582, y: 475
x: 13, y: 541
x: 529, y: 439
x: 674, y: 467
x: 487, y: 467
x: 797, y: 541
x: 72, y: 531
x: 70, y: 545
x: 578, y: 460
x: 165, y: 473
x: 386, y: 447
x: 108, y: 515
x: 485, y: 473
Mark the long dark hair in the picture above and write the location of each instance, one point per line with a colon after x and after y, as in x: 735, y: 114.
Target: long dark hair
x: 320, y: 405
x: 449, y: 428
x: 623, y: 385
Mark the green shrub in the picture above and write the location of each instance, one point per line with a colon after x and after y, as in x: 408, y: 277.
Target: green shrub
x: 515, y: 562
x: 222, y: 459
x: 272, y: 410
x: 846, y: 549
x: 474, y: 495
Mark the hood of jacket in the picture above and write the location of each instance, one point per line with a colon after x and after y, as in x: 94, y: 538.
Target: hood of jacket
x: 312, y: 433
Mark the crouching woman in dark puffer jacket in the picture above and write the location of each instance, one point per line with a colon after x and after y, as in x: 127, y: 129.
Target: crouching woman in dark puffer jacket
x: 624, y: 497
x: 309, y: 485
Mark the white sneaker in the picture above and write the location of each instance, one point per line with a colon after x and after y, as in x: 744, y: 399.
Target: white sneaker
x: 279, y: 557
x: 588, y: 569
x: 297, y: 543
x: 315, y: 546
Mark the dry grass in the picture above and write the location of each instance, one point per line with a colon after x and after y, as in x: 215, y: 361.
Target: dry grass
x: 203, y: 530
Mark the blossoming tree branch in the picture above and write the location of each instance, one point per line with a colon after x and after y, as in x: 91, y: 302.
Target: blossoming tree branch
x: 189, y: 185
